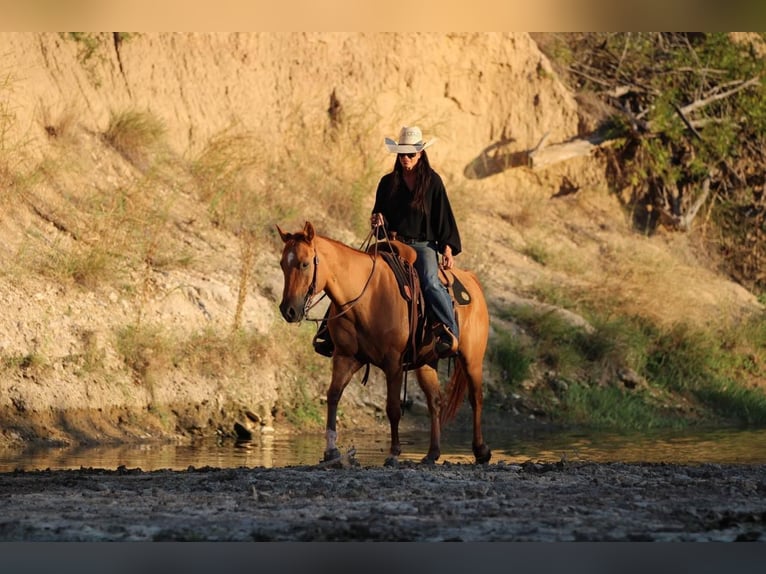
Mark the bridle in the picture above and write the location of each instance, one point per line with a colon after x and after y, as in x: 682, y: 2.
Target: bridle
x: 348, y: 305
x: 307, y: 305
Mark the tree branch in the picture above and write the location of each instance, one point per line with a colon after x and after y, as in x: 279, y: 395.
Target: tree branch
x: 685, y: 221
x: 686, y: 121
x: 709, y: 100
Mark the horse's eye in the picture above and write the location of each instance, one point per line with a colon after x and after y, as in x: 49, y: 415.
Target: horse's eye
x: 304, y: 265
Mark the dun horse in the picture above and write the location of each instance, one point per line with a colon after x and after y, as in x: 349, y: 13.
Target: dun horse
x: 369, y: 324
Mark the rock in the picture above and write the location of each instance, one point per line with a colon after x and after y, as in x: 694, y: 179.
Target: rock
x: 242, y: 432
x: 630, y: 378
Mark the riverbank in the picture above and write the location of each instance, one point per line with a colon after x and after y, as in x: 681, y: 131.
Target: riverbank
x: 533, y: 502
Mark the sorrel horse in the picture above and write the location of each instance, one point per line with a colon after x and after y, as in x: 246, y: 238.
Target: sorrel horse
x: 369, y: 324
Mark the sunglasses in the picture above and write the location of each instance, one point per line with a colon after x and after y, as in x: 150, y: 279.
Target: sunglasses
x: 409, y: 155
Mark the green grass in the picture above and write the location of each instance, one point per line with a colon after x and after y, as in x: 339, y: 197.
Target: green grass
x: 612, y: 408
x: 536, y: 252
x: 715, y: 373
x: 304, y: 409
x: 512, y: 357
x: 711, y: 369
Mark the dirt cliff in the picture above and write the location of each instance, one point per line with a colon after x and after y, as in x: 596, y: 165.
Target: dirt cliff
x: 489, y: 98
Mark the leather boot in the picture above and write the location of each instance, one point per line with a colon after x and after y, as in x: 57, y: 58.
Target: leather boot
x: 446, y: 342
x: 322, y: 342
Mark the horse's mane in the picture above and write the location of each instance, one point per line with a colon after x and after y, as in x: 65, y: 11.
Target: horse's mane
x: 338, y: 243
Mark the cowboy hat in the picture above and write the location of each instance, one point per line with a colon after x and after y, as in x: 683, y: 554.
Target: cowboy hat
x: 410, y: 141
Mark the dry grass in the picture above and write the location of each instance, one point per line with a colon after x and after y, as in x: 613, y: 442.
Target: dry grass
x: 225, y: 162
x: 14, y: 145
x: 333, y: 172
x: 87, y: 266
x: 147, y: 351
x: 60, y: 123
x: 107, y: 233
x: 210, y: 353
x: 590, y: 254
x: 231, y: 174
x: 136, y: 135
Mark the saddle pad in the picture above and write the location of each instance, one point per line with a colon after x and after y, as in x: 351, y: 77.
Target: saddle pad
x: 459, y: 292
x: 462, y: 297
x: 403, y: 273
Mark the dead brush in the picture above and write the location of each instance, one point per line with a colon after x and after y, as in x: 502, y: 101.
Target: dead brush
x: 59, y: 124
x: 136, y: 135
x: 229, y: 177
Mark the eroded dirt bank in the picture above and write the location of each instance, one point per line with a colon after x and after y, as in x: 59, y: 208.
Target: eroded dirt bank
x: 445, y: 502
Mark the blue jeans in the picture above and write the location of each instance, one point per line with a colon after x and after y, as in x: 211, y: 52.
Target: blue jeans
x: 436, y: 295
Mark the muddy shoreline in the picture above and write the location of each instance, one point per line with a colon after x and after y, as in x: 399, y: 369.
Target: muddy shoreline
x: 533, y: 502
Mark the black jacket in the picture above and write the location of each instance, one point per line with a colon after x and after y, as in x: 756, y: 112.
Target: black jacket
x: 437, y: 224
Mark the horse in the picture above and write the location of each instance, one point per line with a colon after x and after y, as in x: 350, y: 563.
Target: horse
x: 369, y: 323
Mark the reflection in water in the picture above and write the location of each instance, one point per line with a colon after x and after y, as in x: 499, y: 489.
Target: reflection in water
x: 269, y: 451
x: 713, y: 446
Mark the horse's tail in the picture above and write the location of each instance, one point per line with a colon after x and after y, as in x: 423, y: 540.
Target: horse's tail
x: 455, y: 392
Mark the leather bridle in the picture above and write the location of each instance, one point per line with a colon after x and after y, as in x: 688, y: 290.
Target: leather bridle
x: 348, y: 305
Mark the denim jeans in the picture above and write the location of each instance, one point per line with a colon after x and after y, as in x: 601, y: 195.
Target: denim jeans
x: 438, y: 301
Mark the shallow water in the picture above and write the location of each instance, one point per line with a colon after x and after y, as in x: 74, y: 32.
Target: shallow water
x: 270, y: 451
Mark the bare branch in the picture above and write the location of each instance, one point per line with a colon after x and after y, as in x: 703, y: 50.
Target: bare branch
x: 709, y: 100
x: 685, y: 221
x: 687, y: 122
x: 620, y: 91
x: 539, y: 145
x: 588, y: 77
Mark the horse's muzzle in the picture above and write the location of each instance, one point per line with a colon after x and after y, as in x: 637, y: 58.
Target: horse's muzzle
x: 292, y: 312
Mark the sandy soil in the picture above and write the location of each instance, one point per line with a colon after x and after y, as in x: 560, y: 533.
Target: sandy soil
x: 409, y: 502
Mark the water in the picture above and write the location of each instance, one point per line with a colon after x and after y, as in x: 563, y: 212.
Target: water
x: 272, y: 451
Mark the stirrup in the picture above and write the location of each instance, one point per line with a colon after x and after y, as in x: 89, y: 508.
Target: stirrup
x: 445, y: 344
x: 323, y: 342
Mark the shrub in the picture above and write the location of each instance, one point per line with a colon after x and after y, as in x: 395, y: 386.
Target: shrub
x: 136, y: 135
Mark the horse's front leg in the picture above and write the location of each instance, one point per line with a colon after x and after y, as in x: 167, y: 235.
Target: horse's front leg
x: 394, y: 409
x: 343, y: 368
x: 428, y: 379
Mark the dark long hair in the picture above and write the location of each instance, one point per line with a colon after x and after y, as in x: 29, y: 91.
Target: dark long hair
x: 422, y: 180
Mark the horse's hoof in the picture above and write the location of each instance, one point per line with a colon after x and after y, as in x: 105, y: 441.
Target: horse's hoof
x: 331, y: 455
x: 482, y: 454
x: 391, y: 462
x: 428, y: 460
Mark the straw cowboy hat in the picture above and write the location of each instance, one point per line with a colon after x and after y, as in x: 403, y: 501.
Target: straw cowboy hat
x: 410, y: 141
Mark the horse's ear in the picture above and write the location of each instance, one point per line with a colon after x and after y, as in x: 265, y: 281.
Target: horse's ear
x: 308, y: 231
x: 283, y: 235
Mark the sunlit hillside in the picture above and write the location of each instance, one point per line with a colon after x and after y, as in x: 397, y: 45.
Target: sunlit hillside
x: 142, y: 175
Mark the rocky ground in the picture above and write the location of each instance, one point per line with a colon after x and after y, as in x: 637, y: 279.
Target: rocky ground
x: 537, y: 502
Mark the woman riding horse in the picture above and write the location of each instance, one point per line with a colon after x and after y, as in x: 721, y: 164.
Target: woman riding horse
x: 369, y: 324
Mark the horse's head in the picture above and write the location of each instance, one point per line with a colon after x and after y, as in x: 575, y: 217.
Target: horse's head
x: 299, y: 268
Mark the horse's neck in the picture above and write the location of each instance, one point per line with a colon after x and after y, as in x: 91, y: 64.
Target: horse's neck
x: 345, y: 270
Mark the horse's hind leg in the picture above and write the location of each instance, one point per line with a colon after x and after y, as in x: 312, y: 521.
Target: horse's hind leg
x: 343, y: 368
x: 429, y: 382
x: 474, y: 372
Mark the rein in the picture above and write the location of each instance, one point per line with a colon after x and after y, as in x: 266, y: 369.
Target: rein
x: 348, y: 304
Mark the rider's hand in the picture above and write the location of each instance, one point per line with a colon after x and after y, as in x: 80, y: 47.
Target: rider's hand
x: 376, y: 220
x: 448, y: 261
